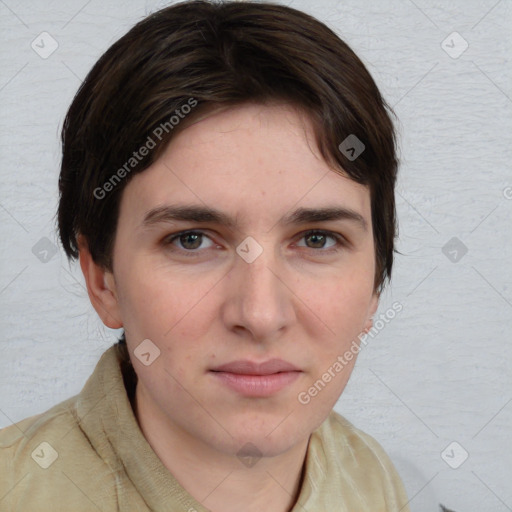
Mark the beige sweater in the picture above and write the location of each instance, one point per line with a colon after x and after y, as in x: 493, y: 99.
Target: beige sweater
x: 89, y: 454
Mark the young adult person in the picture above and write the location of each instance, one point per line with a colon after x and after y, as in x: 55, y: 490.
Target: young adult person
x: 227, y: 184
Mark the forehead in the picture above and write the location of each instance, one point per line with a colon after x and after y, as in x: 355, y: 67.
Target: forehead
x: 255, y: 161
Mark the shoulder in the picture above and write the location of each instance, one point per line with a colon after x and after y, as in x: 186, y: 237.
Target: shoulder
x: 354, y: 441
x: 358, y: 458
x: 19, y: 440
x: 44, y: 456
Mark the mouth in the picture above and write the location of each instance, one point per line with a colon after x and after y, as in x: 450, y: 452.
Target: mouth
x: 256, y: 379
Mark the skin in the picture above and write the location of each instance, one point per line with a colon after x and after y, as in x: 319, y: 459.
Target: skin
x: 296, y: 301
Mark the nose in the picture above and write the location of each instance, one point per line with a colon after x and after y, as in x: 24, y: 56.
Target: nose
x: 259, y: 301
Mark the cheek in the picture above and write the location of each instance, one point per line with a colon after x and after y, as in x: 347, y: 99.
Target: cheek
x: 164, y: 305
x: 341, y: 304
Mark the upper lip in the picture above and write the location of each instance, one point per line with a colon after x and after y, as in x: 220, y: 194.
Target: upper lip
x: 245, y: 367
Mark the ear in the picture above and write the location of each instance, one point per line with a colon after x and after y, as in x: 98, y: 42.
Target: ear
x: 100, y: 287
x: 374, y: 304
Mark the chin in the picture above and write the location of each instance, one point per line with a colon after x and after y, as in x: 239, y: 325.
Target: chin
x: 272, y: 437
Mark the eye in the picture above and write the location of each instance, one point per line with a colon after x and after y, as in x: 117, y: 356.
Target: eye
x: 318, y: 239
x: 190, y: 241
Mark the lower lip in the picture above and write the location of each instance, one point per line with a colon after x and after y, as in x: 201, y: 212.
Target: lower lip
x: 257, y: 385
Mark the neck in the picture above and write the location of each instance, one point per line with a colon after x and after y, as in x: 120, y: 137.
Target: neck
x: 223, y: 482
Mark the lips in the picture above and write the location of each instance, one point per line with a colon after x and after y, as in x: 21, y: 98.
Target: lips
x: 257, y: 380
x: 245, y: 367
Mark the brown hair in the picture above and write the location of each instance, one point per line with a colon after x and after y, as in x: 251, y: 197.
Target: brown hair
x: 218, y: 54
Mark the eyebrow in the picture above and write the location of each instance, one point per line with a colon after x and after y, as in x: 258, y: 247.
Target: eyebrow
x: 204, y: 214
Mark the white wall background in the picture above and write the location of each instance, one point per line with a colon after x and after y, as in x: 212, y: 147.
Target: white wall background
x: 441, y: 370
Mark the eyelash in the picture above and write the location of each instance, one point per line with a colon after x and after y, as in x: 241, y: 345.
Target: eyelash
x: 340, y: 241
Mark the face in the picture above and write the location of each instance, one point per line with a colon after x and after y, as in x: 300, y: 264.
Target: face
x: 257, y: 278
